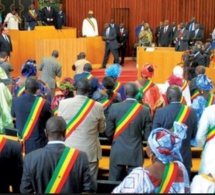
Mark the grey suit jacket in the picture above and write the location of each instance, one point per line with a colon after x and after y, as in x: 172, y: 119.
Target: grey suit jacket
x: 112, y: 38
x: 85, y: 136
x: 182, y: 45
x: 50, y: 68
x: 127, y: 148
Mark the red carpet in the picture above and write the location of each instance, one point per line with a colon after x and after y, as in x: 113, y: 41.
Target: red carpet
x: 129, y: 72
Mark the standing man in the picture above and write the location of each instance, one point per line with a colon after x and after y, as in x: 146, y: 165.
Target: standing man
x: 50, y: 69
x: 122, y: 39
x: 85, y: 120
x: 128, y: 124
x: 90, y: 26
x: 111, y: 44
x: 158, y: 33
x: 174, y: 29
x: 31, y: 113
x: 196, y: 35
x: 181, y: 38
x: 41, y: 168
x: 166, y: 35
x: 114, y: 26
x: 10, y: 165
x: 48, y: 14
x: 5, y: 41
x: 176, y: 111
x: 60, y: 18
x: 78, y: 66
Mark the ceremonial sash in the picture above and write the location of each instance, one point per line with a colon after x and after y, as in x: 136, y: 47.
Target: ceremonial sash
x: 80, y: 116
x: 32, y: 120
x: 3, y: 141
x: 89, y: 77
x: 210, y: 134
x: 210, y: 100
x: 91, y: 23
x: 106, y: 102
x: 184, y: 85
x: 55, y: 111
x: 117, y: 87
x: 183, y: 101
x: 127, y: 118
x: 195, y: 94
x: 146, y: 86
x: 170, y: 172
x: 21, y: 91
x: 33, y: 15
x: 182, y: 115
x: 62, y: 171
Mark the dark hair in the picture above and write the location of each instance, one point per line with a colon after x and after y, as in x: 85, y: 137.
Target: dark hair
x: 108, y: 83
x: 87, y: 67
x: 31, y: 84
x: 83, y: 86
x: 3, y: 54
x: 55, y: 53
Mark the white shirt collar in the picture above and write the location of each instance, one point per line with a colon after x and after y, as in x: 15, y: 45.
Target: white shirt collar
x: 56, y: 142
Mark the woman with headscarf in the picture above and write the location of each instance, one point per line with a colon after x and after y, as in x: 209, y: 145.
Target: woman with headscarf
x: 65, y: 90
x: 204, y: 97
x: 29, y: 69
x: 114, y: 71
x: 166, y: 174
x: 149, y: 93
x: 145, y: 36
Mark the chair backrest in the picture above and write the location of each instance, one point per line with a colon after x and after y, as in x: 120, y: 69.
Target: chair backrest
x: 106, y: 186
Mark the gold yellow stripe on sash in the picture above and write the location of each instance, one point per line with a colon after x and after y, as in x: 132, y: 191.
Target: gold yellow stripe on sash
x: 195, y: 94
x: 184, y: 85
x: 2, y: 142
x: 117, y: 87
x: 89, y: 77
x: 210, y: 100
x: 21, y: 91
x: 147, y: 85
x: 62, y: 170
x: 91, y: 23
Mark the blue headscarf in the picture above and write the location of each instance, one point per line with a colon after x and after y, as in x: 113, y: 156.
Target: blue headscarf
x: 113, y: 71
x: 165, y: 144
x: 203, y: 82
x: 29, y: 68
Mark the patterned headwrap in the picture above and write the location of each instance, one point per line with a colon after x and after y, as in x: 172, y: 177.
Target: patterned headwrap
x: 204, y: 83
x: 29, y: 68
x: 148, y: 70
x: 113, y: 71
x: 165, y: 144
x: 67, y: 85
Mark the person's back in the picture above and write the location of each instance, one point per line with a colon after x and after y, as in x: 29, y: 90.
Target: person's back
x: 11, y: 165
x: 42, y: 165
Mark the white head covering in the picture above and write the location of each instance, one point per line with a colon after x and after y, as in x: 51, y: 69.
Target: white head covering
x: 178, y: 71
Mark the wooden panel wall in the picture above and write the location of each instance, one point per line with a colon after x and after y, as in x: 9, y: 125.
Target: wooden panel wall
x: 152, y: 11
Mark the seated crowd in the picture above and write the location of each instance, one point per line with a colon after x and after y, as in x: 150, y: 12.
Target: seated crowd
x: 58, y: 148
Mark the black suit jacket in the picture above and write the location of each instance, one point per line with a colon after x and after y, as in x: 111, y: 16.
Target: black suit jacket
x: 40, y: 165
x: 198, y: 37
x: 60, y: 18
x: 127, y: 149
x: 21, y: 107
x: 31, y: 21
x: 45, y: 14
x: 5, y: 45
x: 123, y: 38
x: 11, y: 166
x: 157, y: 34
x: 112, y: 38
x: 166, y: 38
x: 165, y: 117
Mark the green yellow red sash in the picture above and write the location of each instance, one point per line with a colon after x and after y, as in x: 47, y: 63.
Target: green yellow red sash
x: 21, y: 91
x: 91, y: 23
x: 127, y: 118
x: 34, y: 16
x: 62, y: 171
x: 184, y: 85
x: 31, y: 121
x: 146, y: 86
x: 170, y: 172
x: 210, y: 134
x: 183, y: 101
x: 117, y: 87
x: 182, y: 115
x: 80, y: 116
x: 106, y: 102
x: 55, y: 111
x: 210, y: 100
x: 89, y: 77
x: 195, y: 94
x: 3, y: 141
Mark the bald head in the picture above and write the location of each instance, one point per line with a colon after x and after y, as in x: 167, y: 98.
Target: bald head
x: 173, y: 93
x: 56, y: 128
x: 31, y: 85
x: 55, y: 53
x: 83, y: 86
x: 131, y: 90
x: 200, y: 70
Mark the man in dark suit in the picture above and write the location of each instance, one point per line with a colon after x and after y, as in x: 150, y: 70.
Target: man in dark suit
x: 207, y: 53
x: 60, y: 18
x: 94, y: 82
x: 111, y: 44
x: 122, y: 39
x: 22, y: 107
x: 114, y: 26
x: 40, y: 165
x: 48, y: 14
x: 158, y: 33
x: 191, y: 25
x: 174, y: 29
x: 5, y: 41
x: 166, y: 35
x: 10, y: 165
x: 127, y: 147
x: 181, y: 38
x: 196, y: 35
x: 165, y: 117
